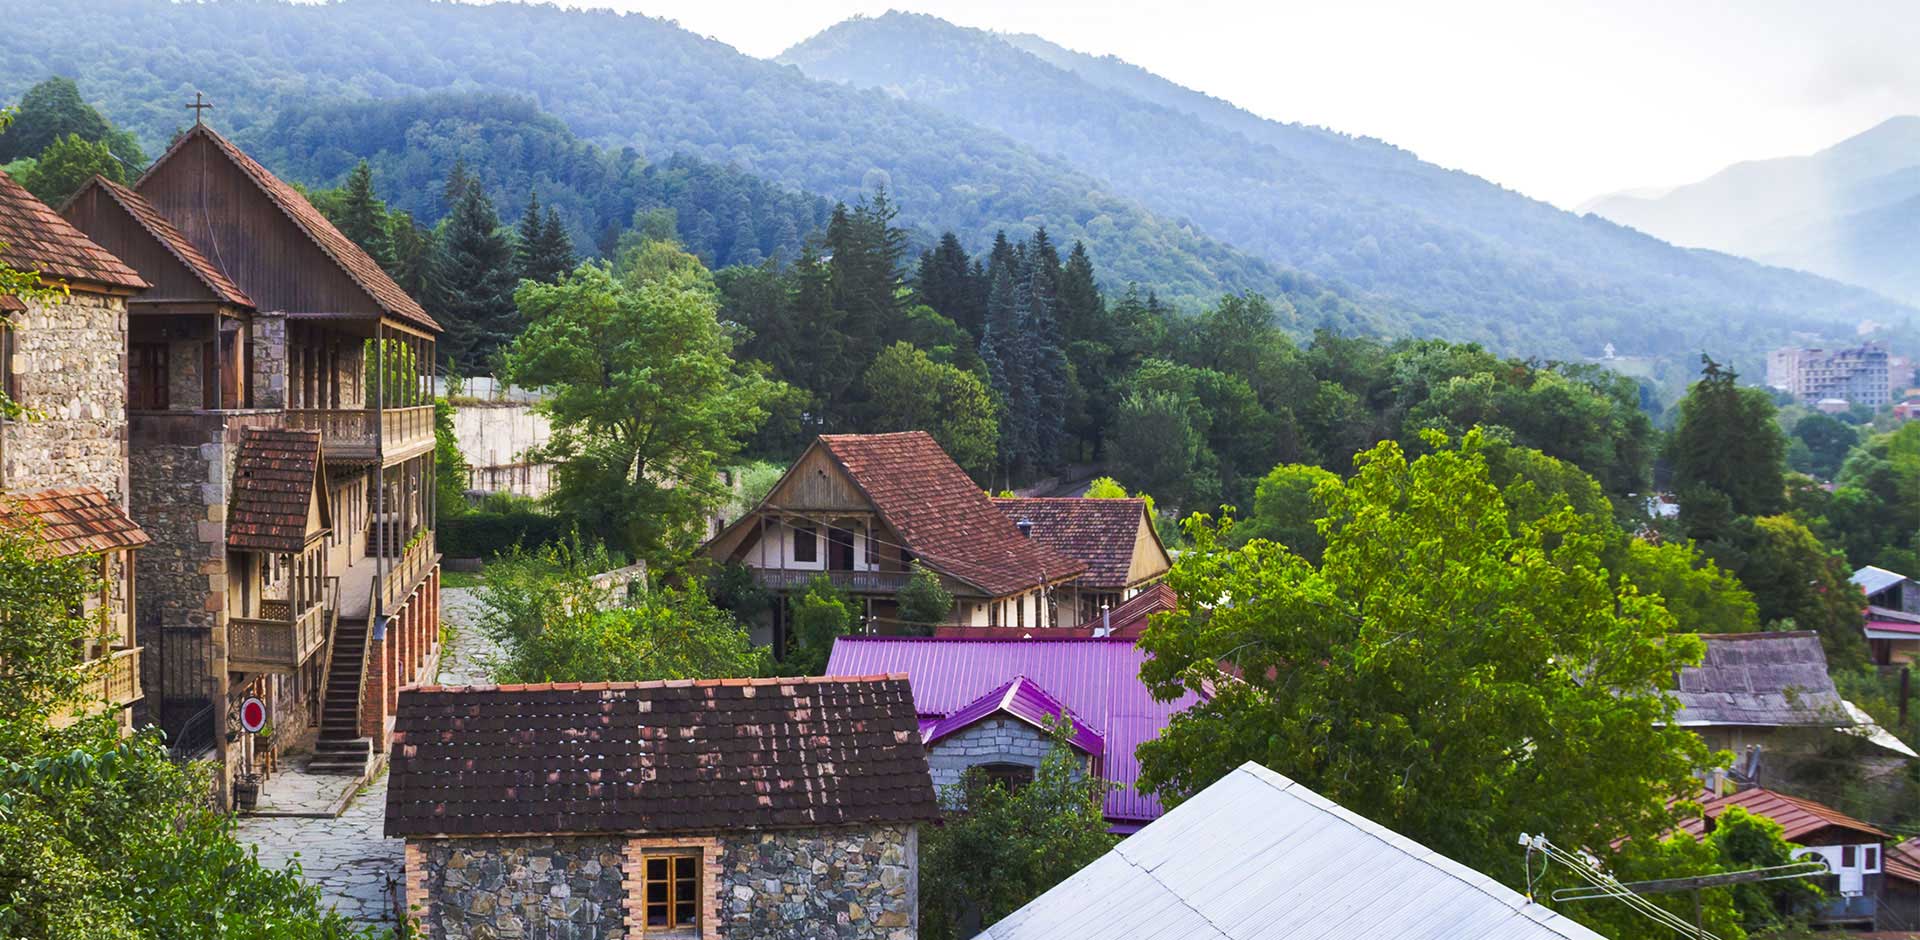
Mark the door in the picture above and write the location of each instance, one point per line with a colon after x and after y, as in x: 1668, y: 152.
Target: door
x: 839, y: 550
x: 147, y: 377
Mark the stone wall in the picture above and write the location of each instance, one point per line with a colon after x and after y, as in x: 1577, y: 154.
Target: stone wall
x: 494, y: 437
x: 270, y: 360
x: 998, y: 740
x: 541, y: 888
x: 69, y: 360
x: 851, y: 883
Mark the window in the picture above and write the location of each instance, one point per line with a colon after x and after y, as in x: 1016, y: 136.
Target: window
x: 672, y: 893
x: 1020, y: 611
x: 806, y: 546
x: 1872, y: 859
x: 1010, y: 776
x: 1849, y: 856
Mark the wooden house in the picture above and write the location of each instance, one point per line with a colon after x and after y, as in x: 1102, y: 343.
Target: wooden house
x: 1114, y: 537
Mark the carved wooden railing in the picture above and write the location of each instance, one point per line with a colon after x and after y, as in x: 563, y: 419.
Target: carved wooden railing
x: 280, y: 643
x: 404, y: 428
x: 413, y: 562
x: 865, y: 582
x: 116, y: 680
x: 344, y: 432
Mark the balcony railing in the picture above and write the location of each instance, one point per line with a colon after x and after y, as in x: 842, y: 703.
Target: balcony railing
x: 861, y: 582
x: 364, y: 433
x: 407, y: 569
x: 280, y: 640
x: 113, y: 681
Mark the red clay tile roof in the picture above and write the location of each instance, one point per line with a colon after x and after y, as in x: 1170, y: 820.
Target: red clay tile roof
x: 1902, y: 861
x: 73, y: 520
x: 1100, y: 532
x: 942, y: 516
x: 273, y: 483
x: 172, y: 239
x: 33, y: 237
x: 349, y: 256
x: 675, y: 756
x: 1797, y: 816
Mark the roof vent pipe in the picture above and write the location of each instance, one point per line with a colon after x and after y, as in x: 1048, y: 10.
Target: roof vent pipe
x: 1026, y: 527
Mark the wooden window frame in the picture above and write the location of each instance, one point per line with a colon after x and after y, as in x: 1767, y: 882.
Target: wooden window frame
x: 682, y: 871
x: 806, y: 543
x: 1010, y: 775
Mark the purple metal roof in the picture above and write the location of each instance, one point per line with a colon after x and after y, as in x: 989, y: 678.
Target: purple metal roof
x: 1098, y: 680
x: 1025, y: 700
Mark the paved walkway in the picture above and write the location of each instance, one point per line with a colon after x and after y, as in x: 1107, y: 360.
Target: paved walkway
x: 291, y: 791
x: 347, y: 856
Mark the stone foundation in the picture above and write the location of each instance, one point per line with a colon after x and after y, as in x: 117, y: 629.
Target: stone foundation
x: 849, y: 883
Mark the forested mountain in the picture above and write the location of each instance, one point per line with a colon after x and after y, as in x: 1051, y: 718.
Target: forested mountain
x: 622, y: 80
x: 1486, y: 263
x: 1851, y: 211
x: 722, y: 214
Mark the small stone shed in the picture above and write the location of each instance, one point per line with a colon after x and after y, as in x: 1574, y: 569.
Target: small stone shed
x: 764, y: 808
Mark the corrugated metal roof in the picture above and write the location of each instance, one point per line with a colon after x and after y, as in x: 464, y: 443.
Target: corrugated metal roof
x: 1873, y: 580
x: 1098, y: 679
x: 1760, y: 679
x: 1259, y: 857
x: 1023, y: 699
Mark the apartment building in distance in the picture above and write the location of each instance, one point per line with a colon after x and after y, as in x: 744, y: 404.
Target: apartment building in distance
x: 1858, y: 375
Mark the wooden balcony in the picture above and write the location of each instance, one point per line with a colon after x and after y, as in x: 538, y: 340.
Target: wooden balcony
x: 407, y: 570
x: 113, y: 681
x: 859, y: 582
x: 384, y: 434
x: 280, y: 640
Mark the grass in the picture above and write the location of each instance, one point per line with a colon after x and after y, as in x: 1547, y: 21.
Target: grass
x: 461, y: 579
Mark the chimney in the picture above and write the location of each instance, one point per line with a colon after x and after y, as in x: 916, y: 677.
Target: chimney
x: 1106, y: 620
x: 1026, y: 527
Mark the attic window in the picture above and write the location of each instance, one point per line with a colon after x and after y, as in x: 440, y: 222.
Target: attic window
x: 672, y: 895
x: 1009, y: 776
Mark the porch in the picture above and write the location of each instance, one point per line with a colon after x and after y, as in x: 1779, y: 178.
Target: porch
x: 286, y: 634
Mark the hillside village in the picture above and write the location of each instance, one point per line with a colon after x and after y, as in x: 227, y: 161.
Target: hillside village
x: 366, y: 574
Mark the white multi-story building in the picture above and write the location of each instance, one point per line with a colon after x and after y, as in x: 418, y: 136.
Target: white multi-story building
x: 1857, y: 374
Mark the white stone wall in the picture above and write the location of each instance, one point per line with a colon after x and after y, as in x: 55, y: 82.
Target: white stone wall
x: 495, y: 437
x: 70, y: 364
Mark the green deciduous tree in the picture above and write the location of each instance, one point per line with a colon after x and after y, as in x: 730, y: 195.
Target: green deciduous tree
x: 908, y: 391
x: 66, y: 165
x: 1827, y: 440
x: 449, y: 465
x: 1287, y: 511
x: 645, y: 398
x: 924, y: 602
x: 1794, y: 577
x: 997, y: 850
x: 53, y: 109
x: 819, y: 615
x: 1455, y: 668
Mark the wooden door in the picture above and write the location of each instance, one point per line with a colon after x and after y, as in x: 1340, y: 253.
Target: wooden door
x: 147, y: 377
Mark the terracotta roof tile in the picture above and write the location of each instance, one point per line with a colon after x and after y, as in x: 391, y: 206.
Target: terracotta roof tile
x: 74, y: 520
x: 273, y: 483
x: 33, y: 237
x: 1100, y: 532
x: 350, y: 258
x: 1799, y: 817
x: 673, y: 756
x: 942, y: 516
x: 174, y: 240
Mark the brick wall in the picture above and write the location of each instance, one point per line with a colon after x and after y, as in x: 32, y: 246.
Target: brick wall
x: 69, y: 359
x: 992, y: 741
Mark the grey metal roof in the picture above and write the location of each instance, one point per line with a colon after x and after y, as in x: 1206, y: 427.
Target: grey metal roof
x: 1760, y: 679
x: 1259, y: 857
x: 1874, y: 580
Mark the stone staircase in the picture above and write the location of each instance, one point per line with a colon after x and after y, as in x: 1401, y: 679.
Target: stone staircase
x: 340, y: 749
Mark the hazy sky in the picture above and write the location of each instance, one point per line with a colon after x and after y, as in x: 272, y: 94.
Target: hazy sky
x: 1560, y: 99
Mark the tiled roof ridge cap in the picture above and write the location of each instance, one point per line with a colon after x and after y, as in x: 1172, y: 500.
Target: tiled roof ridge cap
x: 662, y: 684
x: 1758, y: 635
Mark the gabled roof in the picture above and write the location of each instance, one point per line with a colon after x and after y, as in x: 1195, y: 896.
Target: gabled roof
x: 1872, y: 580
x: 1884, y: 623
x: 1257, y: 856
x: 942, y: 515
x: 348, y: 256
x: 1098, y: 680
x: 73, y: 520
x: 1100, y: 532
x: 1799, y: 817
x: 1902, y: 861
x: 172, y: 239
x: 1021, y: 698
x: 33, y: 237
x: 1760, y: 679
x: 676, y: 756
x: 275, y: 478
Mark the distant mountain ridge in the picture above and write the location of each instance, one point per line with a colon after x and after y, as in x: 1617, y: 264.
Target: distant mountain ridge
x: 1850, y: 212
x: 1476, y: 260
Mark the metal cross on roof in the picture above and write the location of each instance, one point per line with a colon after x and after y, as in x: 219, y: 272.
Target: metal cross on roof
x: 199, y: 105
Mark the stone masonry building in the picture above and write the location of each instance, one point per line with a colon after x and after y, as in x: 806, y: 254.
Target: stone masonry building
x: 273, y: 387
x: 773, y: 809
x: 63, y: 444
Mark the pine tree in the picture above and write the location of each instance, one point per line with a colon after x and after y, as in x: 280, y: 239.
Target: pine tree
x: 458, y: 181
x: 1003, y: 350
x: 411, y: 256
x: 555, y: 257
x: 473, y: 282
x: 363, y: 217
x: 1082, y: 311
x: 1048, y: 377
x: 944, y: 283
x: 526, y: 241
